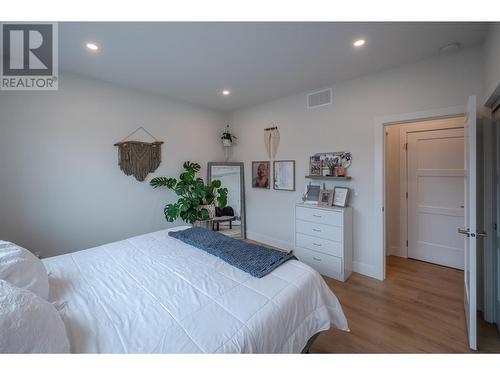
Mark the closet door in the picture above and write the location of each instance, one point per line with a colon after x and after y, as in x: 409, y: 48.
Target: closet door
x: 436, y: 178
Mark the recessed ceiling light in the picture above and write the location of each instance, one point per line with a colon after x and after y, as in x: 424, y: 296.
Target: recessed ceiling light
x: 226, y: 92
x: 359, y: 43
x: 92, y: 46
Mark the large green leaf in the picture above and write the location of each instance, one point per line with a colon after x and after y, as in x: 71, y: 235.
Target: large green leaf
x: 171, y: 212
x: 192, y: 193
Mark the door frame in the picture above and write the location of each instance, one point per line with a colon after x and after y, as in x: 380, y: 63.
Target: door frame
x: 379, y: 217
x: 492, y: 244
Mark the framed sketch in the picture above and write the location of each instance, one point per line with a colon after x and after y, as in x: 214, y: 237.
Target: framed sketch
x: 340, y: 196
x: 325, y: 198
x: 261, y: 174
x: 284, y: 175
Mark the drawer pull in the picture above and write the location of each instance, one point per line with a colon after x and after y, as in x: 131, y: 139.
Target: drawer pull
x: 318, y: 259
x: 317, y: 216
x: 316, y: 244
x: 316, y: 230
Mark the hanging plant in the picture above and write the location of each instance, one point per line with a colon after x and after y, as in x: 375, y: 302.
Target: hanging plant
x: 227, y: 137
x: 197, y: 201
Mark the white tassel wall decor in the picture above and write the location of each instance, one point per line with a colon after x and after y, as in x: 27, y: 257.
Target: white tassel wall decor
x: 272, y: 140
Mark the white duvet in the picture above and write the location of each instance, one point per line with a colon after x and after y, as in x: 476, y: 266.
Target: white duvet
x: 155, y: 294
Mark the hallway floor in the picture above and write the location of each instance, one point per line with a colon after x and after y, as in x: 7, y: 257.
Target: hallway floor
x: 417, y: 309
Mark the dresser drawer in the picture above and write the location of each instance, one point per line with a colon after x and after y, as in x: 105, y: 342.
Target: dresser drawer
x: 328, y: 217
x: 319, y: 244
x: 319, y: 230
x: 325, y: 264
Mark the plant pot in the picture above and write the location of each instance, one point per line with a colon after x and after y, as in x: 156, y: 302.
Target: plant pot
x: 227, y: 143
x: 340, y: 171
x: 210, y: 208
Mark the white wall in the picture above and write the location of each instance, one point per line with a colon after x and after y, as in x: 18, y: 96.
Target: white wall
x: 392, y: 189
x: 60, y: 186
x: 492, y: 60
x: 348, y: 124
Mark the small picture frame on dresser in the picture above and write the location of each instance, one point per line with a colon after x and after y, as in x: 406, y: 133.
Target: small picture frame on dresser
x: 340, y: 196
x: 325, y: 198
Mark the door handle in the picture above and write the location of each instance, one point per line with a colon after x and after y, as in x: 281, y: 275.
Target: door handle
x: 469, y: 234
x: 316, y: 230
x: 316, y: 244
x: 317, y: 259
x: 464, y: 231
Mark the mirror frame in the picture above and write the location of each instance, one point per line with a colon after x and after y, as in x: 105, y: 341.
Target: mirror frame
x: 242, y: 188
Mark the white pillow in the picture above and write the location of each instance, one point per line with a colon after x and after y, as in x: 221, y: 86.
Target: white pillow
x: 28, y: 323
x: 21, y: 268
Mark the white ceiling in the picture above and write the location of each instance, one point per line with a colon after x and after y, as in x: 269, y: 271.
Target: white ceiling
x: 258, y: 62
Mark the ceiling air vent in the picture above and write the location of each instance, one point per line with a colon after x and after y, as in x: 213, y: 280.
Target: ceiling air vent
x: 319, y: 98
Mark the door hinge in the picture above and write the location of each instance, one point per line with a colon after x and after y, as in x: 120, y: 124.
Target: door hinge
x: 406, y: 146
x: 406, y: 243
x: 406, y: 195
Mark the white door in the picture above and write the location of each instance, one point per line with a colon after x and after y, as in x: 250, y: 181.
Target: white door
x: 469, y: 229
x: 436, y: 196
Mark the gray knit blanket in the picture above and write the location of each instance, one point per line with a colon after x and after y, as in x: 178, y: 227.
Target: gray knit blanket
x: 256, y: 260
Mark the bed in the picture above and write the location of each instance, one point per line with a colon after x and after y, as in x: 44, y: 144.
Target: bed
x: 155, y: 294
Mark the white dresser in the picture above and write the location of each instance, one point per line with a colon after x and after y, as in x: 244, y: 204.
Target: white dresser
x: 323, y: 239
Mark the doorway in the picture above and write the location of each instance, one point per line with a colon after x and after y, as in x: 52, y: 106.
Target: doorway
x: 424, y: 190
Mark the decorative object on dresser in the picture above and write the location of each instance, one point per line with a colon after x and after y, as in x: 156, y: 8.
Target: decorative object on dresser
x: 329, y: 164
x: 260, y: 174
x: 311, y: 194
x: 197, y: 200
x: 139, y: 158
x: 340, y: 196
x: 323, y: 239
x: 284, y: 175
x: 325, y: 198
x: 272, y: 140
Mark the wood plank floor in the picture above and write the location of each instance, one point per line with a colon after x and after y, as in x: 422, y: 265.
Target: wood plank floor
x: 417, y: 309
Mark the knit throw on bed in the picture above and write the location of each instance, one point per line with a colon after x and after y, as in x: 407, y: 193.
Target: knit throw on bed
x: 256, y: 260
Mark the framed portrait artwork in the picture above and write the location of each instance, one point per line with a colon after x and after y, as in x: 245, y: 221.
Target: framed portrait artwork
x: 325, y: 198
x: 261, y: 174
x: 284, y: 175
x: 340, y: 196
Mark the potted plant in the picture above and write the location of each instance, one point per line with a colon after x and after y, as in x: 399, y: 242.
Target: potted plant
x: 227, y: 138
x: 197, y: 201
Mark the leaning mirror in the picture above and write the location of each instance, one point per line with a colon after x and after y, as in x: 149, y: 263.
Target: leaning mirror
x: 229, y: 220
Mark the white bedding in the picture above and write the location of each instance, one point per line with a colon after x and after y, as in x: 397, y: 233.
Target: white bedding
x: 155, y: 294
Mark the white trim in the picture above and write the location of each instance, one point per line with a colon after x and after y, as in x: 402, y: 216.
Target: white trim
x: 267, y: 240
x: 365, y: 269
x: 396, y: 250
x: 489, y: 211
x: 379, y: 173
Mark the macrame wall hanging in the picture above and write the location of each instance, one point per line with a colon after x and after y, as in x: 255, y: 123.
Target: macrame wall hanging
x: 139, y: 158
x: 272, y: 140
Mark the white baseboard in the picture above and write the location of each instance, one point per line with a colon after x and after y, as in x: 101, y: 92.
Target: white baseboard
x: 396, y: 250
x: 393, y: 250
x: 284, y: 245
x: 366, y: 269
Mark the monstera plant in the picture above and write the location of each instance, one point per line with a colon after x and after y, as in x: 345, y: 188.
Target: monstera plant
x: 195, y: 196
